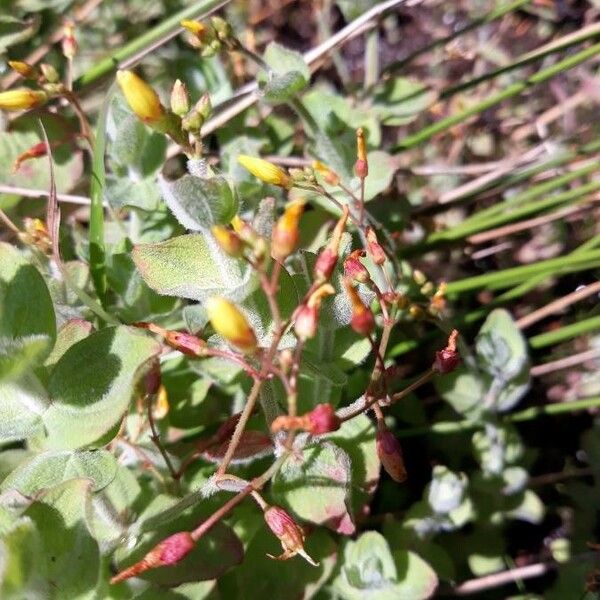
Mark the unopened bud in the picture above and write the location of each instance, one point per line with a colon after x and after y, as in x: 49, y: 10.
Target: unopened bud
x: 23, y: 69
x: 265, y: 171
x: 419, y: 277
x: 390, y: 453
x: 416, y: 311
x: 286, y: 232
x: 363, y: 321
x: 186, y: 343
x: 142, y: 99
x: 354, y: 269
x: 22, y: 99
x: 204, y: 106
x: 180, y: 99
x: 328, y: 175
x: 69, y: 43
x: 447, y: 359
x: 228, y: 240
x: 327, y: 259
x: 167, y: 553
x: 36, y: 233
x: 374, y: 247
x: 361, y: 166
x: 222, y: 28
x: 229, y: 322
x: 196, y: 28
x: 161, y: 404
x: 49, y: 73
x: 152, y: 381
x: 307, y: 315
x: 323, y: 419
x: 288, y: 532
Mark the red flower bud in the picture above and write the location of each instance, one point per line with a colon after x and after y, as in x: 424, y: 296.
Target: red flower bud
x: 37, y: 150
x: 390, y: 453
x: 363, y: 321
x: 168, y: 552
x: 153, y: 378
x: 354, y: 269
x: 374, y: 247
x: 447, y: 359
x: 185, y: 342
x: 361, y: 169
x: 289, y: 533
x: 328, y: 258
x: 323, y: 419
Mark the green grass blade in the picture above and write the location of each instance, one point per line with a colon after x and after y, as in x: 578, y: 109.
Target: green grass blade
x: 164, y: 29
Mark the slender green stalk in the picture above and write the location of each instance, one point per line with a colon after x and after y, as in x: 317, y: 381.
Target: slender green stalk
x: 567, y: 332
x: 497, y: 13
x: 163, y: 30
x: 507, y: 277
x: 509, y: 92
x: 445, y: 427
x: 96, y: 229
x: 516, y: 214
x: 531, y: 193
x: 525, y: 59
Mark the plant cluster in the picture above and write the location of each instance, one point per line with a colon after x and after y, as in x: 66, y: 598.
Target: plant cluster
x: 202, y: 377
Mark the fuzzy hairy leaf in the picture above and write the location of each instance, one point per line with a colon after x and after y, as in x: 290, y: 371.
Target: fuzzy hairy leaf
x: 92, y: 384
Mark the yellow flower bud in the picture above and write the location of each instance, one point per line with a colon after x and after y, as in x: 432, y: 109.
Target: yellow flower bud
x: 142, y: 99
x: 328, y: 175
x: 228, y: 240
x: 286, y: 232
x: 230, y: 323
x: 265, y: 171
x: 22, y: 68
x: 21, y: 99
x: 194, y: 27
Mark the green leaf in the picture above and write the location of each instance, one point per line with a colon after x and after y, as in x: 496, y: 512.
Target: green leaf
x: 370, y: 570
x: 122, y: 192
x: 33, y: 174
x: 501, y: 346
x: 323, y: 471
x: 464, y: 390
x: 14, y: 31
x: 193, y: 266
x: 22, y: 404
x: 199, y: 203
x: 288, y: 75
x: 531, y: 509
x: 19, y: 355
x: 93, y: 383
x: 70, y: 333
x: 68, y: 562
x: 400, y: 100
x: 51, y: 468
x: 357, y: 438
x: 25, y: 304
x: 293, y: 578
x: 446, y: 490
x: 216, y: 552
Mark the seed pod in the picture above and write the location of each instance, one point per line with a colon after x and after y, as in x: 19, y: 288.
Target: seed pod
x: 374, y: 247
x: 447, y: 359
x: 307, y: 316
x: 185, y: 342
x: 167, y: 553
x: 229, y: 322
x: 361, y: 166
x: 288, y: 532
x: 390, y: 453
